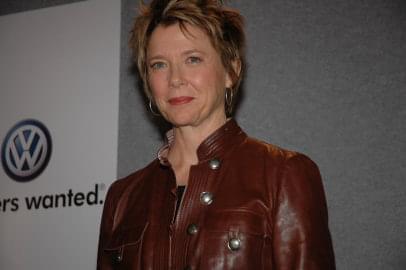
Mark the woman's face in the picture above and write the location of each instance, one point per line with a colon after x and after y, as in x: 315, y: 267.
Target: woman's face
x: 186, y: 76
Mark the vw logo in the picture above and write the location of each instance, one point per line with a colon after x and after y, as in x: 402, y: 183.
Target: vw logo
x: 26, y: 150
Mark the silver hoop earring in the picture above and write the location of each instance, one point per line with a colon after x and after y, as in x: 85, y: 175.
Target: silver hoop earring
x: 229, y: 100
x: 152, y: 110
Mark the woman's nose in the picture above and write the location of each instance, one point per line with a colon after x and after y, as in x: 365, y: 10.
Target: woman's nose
x: 176, y: 78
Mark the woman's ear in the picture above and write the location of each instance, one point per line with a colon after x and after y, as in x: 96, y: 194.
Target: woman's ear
x: 236, y: 65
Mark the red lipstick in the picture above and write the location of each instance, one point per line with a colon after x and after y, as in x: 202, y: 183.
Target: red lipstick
x: 180, y: 100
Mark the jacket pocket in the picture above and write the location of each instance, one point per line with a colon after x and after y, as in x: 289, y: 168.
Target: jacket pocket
x: 233, y: 239
x: 124, y: 249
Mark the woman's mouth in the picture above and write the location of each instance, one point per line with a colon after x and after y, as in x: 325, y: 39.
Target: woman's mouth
x: 180, y: 100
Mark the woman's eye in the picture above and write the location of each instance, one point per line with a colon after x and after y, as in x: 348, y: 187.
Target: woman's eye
x: 158, y: 65
x: 194, y: 60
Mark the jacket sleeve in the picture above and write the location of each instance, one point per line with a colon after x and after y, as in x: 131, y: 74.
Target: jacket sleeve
x: 301, y: 238
x: 106, y: 226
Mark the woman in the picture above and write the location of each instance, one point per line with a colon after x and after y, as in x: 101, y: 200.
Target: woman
x: 214, y: 198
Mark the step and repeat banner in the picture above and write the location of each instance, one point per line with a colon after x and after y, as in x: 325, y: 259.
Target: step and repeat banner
x: 59, y: 79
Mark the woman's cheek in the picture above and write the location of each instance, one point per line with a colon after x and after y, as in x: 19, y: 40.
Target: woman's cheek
x: 199, y: 77
x: 157, y: 84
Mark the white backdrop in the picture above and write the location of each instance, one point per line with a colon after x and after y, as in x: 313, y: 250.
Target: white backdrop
x: 60, y: 66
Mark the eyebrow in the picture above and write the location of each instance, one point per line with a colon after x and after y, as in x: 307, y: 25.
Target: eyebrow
x: 192, y: 51
x: 187, y: 52
x: 155, y: 57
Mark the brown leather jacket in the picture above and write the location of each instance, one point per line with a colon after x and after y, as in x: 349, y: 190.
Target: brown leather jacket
x: 248, y: 205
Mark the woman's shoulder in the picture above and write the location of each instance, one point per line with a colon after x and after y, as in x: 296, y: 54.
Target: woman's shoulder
x: 285, y: 169
x: 275, y: 154
x: 269, y: 150
x: 134, y: 179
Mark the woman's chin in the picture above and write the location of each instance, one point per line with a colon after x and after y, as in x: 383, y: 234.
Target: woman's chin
x: 180, y: 120
x: 194, y: 118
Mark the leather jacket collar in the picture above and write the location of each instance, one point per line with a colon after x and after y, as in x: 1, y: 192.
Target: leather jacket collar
x: 214, y: 146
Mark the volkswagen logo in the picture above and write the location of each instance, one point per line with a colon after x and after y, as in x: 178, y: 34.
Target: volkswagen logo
x: 26, y: 150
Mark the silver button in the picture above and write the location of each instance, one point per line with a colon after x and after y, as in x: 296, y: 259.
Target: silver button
x: 214, y: 164
x: 234, y: 244
x: 206, y: 198
x: 117, y: 258
x: 192, y: 229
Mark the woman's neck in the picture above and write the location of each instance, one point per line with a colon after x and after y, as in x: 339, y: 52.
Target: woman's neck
x: 183, y: 150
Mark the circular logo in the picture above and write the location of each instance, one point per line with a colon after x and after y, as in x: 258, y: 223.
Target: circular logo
x: 26, y: 150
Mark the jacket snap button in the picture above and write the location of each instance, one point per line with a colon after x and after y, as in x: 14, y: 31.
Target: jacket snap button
x: 117, y: 258
x: 192, y: 229
x: 206, y: 198
x: 234, y: 244
x: 214, y: 164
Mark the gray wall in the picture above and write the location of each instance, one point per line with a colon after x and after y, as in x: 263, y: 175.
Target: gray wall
x: 13, y: 6
x: 327, y: 78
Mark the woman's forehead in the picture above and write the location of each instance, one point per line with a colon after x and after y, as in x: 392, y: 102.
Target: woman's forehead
x: 174, y: 38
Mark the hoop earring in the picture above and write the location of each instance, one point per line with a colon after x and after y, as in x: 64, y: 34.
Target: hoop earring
x: 229, y: 100
x: 152, y: 110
